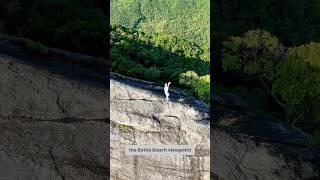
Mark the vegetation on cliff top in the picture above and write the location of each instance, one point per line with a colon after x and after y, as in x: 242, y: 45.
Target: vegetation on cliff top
x: 160, y: 58
x: 163, y: 41
x: 270, y: 57
x: 287, y: 78
x: 76, y: 25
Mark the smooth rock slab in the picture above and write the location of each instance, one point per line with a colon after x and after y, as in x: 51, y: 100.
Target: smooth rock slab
x: 53, y: 119
x: 148, y: 119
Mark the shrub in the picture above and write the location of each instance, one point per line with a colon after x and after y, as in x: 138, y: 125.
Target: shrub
x: 152, y: 73
x: 200, y: 84
x: 33, y: 46
x: 298, y: 85
x: 36, y: 47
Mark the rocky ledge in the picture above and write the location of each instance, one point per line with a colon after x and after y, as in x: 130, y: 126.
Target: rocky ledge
x: 247, y: 146
x: 243, y: 145
x: 139, y: 115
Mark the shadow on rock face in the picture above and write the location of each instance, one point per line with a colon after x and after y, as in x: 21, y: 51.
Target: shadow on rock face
x: 53, y: 119
x: 247, y: 146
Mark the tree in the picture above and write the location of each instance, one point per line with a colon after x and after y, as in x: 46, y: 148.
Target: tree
x: 200, y: 84
x: 290, y: 76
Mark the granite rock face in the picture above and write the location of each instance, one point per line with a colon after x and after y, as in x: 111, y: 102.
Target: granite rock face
x: 139, y: 115
x: 54, y: 125
x: 247, y: 146
x: 53, y: 118
x: 243, y: 144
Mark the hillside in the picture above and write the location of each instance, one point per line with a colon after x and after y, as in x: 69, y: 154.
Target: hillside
x: 185, y: 19
x: 163, y: 41
x: 161, y: 59
x: 268, y: 53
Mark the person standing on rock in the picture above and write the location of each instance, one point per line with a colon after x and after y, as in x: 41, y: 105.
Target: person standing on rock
x: 166, y: 90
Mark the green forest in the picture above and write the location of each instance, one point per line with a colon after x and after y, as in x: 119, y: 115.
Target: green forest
x: 189, y: 20
x: 80, y: 25
x: 270, y: 56
x: 163, y: 41
x: 160, y: 58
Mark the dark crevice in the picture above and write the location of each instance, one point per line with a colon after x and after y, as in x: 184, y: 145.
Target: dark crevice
x: 98, y: 170
x: 56, y: 167
x: 62, y: 120
x: 136, y: 99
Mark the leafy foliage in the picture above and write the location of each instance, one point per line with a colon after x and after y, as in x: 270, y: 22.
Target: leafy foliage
x: 161, y: 40
x: 310, y: 53
x: 200, y: 84
x: 289, y: 75
x: 298, y: 85
x: 283, y: 63
x: 187, y: 20
x: 158, y: 57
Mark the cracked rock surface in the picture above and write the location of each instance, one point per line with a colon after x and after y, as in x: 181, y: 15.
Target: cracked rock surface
x: 247, y: 146
x: 139, y: 115
x: 243, y: 144
x: 52, y: 119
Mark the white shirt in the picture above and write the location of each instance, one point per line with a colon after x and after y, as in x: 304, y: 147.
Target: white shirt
x: 166, y: 89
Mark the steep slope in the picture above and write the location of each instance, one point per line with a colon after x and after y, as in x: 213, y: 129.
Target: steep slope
x: 247, y: 146
x: 140, y: 107
x: 243, y: 144
x: 53, y: 117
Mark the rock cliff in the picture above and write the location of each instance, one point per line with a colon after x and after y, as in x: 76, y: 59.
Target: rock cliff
x: 247, y: 146
x: 54, y: 125
x: 53, y: 118
x: 243, y: 144
x: 139, y: 115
